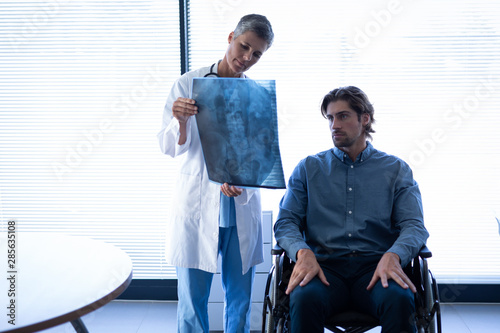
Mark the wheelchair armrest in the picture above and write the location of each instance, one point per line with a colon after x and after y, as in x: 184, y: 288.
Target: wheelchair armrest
x: 277, y: 250
x: 425, y: 252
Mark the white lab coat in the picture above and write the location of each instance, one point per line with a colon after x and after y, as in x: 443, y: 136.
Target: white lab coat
x: 193, y: 231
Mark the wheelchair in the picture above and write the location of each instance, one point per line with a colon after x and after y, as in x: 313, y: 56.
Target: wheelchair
x: 276, y: 317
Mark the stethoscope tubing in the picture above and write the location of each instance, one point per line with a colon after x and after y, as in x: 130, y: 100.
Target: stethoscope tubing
x: 212, y: 73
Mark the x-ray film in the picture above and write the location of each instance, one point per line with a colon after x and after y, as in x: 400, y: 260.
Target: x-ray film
x: 238, y: 127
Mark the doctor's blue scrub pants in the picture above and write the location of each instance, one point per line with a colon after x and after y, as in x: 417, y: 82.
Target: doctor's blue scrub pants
x: 194, y: 288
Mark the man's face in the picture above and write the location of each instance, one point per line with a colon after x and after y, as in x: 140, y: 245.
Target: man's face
x: 244, y: 51
x: 347, y: 131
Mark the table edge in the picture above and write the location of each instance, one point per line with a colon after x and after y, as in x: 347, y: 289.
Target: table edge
x: 75, y: 314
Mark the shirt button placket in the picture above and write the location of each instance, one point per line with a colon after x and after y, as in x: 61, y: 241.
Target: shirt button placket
x: 350, y: 202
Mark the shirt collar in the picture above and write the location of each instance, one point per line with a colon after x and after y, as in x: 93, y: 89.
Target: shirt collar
x: 365, y: 154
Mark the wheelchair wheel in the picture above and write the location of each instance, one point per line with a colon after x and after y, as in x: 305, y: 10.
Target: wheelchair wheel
x: 431, y: 302
x: 274, y: 316
x: 269, y: 301
x: 281, y: 327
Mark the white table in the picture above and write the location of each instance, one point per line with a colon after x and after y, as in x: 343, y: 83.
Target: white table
x: 58, y: 279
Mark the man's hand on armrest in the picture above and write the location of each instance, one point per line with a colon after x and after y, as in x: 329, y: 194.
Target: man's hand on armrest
x: 305, y: 269
x: 389, y: 267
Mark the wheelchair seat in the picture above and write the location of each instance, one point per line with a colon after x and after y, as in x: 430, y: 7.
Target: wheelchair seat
x: 276, y: 317
x: 351, y: 321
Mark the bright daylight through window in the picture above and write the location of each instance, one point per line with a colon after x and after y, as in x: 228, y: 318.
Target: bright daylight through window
x: 84, y: 83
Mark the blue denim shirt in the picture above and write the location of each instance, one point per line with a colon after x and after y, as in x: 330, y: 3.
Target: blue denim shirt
x: 336, y: 207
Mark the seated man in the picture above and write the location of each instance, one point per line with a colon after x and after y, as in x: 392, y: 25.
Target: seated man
x: 351, y: 218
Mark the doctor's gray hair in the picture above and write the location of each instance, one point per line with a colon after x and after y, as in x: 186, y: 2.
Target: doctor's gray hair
x: 258, y: 24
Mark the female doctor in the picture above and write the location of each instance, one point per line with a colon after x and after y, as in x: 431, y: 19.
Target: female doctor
x: 209, y: 219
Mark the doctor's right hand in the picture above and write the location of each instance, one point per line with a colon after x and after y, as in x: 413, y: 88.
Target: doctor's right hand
x: 184, y: 108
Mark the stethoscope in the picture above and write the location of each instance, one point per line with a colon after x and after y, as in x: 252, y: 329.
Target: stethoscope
x: 212, y: 73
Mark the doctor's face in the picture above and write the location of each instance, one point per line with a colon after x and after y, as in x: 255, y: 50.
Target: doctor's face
x: 244, y: 51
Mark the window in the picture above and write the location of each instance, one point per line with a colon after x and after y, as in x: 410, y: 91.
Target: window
x: 83, y: 84
x: 431, y: 70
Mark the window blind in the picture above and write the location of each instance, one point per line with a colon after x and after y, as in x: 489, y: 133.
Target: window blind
x: 82, y: 90
x: 83, y: 84
x: 431, y: 69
